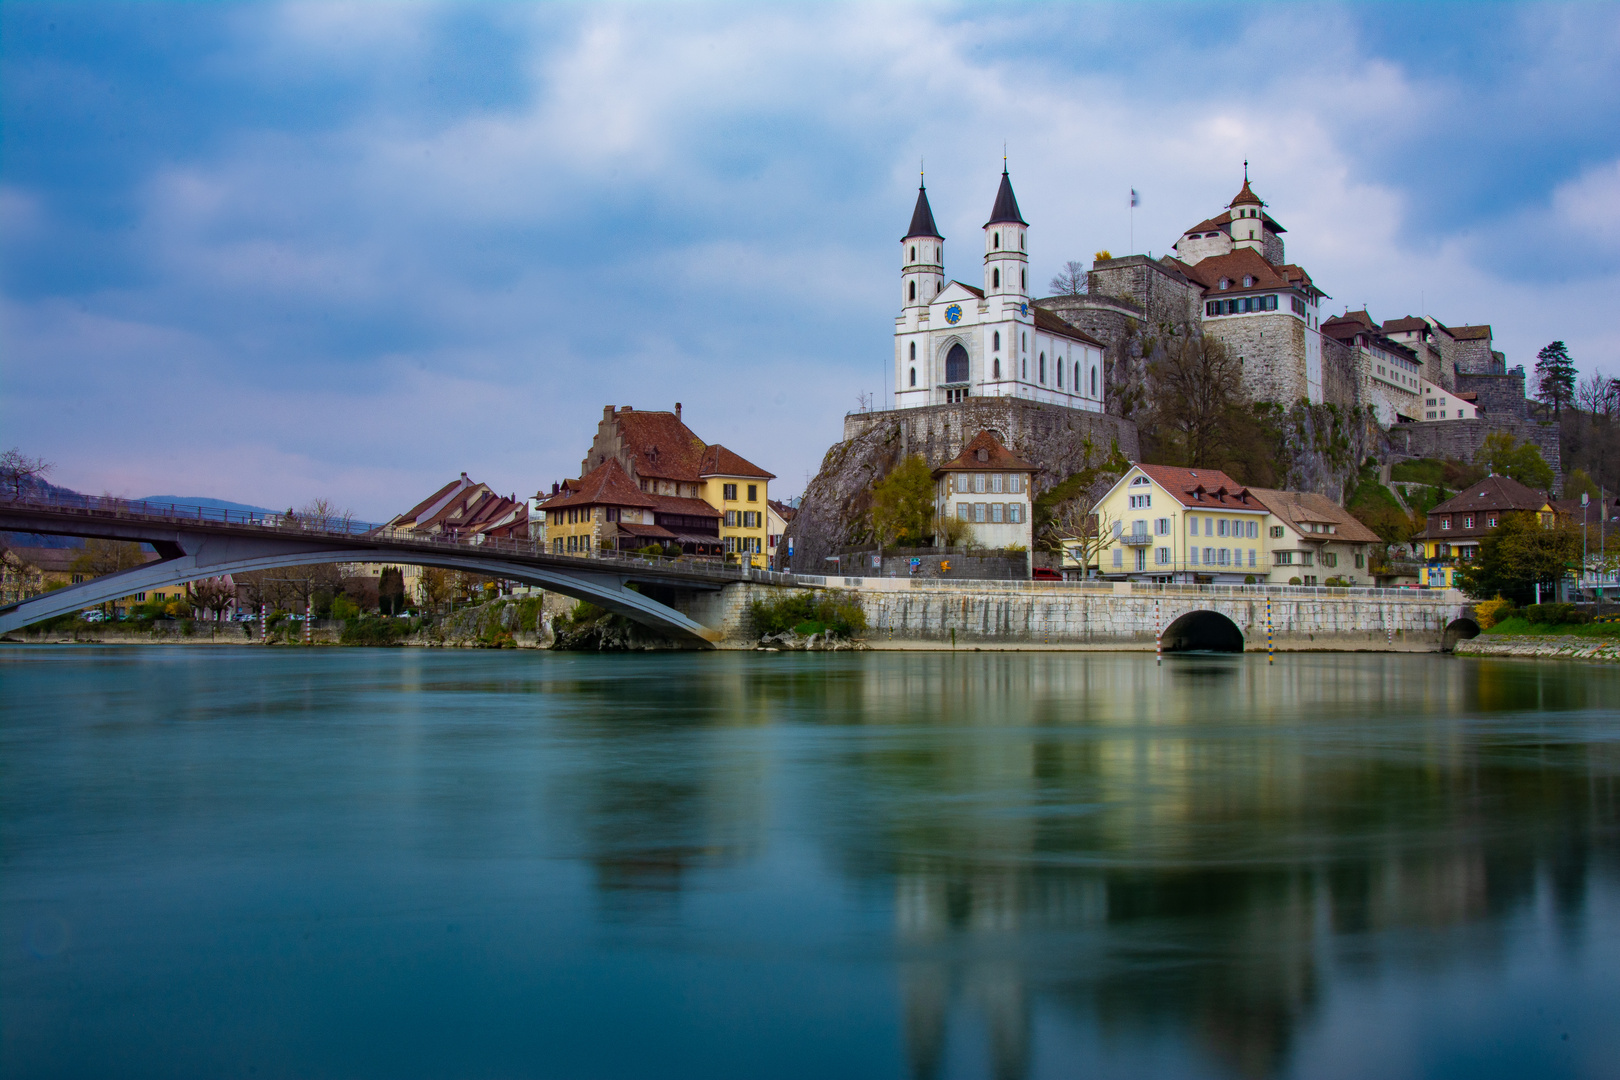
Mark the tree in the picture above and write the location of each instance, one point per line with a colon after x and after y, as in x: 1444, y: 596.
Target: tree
x: 1504, y: 455
x: 19, y: 471
x: 324, y: 515
x: 102, y: 557
x: 438, y: 587
x: 214, y: 595
x: 1578, y: 483
x: 1196, y: 388
x: 1517, y: 555
x: 391, y: 591
x: 903, y: 504
x: 1070, y: 281
x: 1555, y: 376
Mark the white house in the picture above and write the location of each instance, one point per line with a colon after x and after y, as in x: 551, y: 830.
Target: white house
x: 987, y: 487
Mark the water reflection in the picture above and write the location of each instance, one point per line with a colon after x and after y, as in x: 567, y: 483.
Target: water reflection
x: 1018, y: 865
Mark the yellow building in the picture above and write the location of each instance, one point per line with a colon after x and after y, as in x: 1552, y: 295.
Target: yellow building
x: 738, y: 489
x: 1456, y: 527
x: 1168, y: 524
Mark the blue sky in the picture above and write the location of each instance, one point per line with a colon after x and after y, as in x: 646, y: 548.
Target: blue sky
x: 273, y: 252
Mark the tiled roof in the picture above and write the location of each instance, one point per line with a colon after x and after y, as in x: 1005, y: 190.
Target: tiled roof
x: 783, y: 510
x: 922, y: 218
x: 1498, y: 493
x: 419, y: 512
x: 1303, y: 507
x: 1054, y: 324
x: 1244, y: 261
x: 662, y: 446
x: 1471, y: 333
x: 996, y: 456
x: 1211, y: 224
x: 673, y: 504
x: 1006, y: 208
x: 1201, y: 488
x: 1406, y: 325
x: 718, y: 461
x: 1246, y: 197
x: 606, y: 485
x: 646, y: 532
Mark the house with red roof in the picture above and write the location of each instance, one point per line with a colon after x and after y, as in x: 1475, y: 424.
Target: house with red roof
x: 987, y: 488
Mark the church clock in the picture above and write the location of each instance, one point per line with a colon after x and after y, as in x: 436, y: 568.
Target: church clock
x: 953, y: 314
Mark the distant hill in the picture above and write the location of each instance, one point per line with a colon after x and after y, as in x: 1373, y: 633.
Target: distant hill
x: 200, y: 500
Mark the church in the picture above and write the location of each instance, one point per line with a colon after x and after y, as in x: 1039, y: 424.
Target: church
x: 954, y: 341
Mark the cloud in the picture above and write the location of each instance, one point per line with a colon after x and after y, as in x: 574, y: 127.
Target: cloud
x: 382, y: 243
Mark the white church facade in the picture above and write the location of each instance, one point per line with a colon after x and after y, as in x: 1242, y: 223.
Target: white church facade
x: 953, y: 341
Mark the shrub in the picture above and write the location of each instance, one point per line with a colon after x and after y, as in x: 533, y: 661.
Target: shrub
x: 1248, y: 579
x: 1490, y: 612
x: 810, y: 613
x: 1295, y: 581
x: 1555, y: 615
x: 383, y: 631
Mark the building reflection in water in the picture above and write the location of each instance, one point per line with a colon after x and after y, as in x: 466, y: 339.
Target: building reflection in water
x: 1201, y: 847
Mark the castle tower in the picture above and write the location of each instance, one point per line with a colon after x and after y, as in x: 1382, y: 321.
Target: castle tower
x: 1252, y: 227
x: 1006, y: 264
x: 922, y: 256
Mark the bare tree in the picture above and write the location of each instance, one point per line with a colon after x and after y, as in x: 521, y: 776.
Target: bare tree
x: 1591, y: 393
x: 102, y: 557
x: 324, y: 515
x: 1069, y: 281
x: 1080, y: 527
x: 213, y: 594
x: 18, y: 470
x: 1197, y: 383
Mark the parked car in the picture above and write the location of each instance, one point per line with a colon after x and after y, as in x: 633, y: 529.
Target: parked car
x: 245, y: 616
x: 1041, y: 573
x: 94, y: 614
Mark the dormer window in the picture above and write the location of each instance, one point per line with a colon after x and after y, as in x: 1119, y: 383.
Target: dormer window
x: 1225, y: 284
x: 1248, y: 281
x: 981, y: 454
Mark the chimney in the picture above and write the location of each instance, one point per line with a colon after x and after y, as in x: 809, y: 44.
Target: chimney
x: 624, y: 408
x: 464, y: 477
x: 677, y: 410
x: 607, y: 412
x: 555, y: 487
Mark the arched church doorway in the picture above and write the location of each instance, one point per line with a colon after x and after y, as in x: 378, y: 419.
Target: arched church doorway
x: 956, y: 364
x: 1202, y: 631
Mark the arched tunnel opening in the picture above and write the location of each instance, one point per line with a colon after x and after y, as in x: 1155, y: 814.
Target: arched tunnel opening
x: 1202, y: 631
x: 1458, y: 630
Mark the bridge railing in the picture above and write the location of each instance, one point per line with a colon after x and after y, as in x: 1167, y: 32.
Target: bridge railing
x: 348, y: 528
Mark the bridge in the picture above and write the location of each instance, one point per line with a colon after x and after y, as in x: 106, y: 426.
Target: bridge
x: 705, y: 602
x: 194, y: 542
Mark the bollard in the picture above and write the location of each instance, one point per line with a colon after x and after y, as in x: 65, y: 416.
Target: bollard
x: 309, y: 623
x: 1271, y: 641
x: 263, y: 618
x: 1158, y: 634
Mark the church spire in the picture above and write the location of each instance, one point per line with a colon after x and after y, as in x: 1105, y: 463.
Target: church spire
x: 922, y: 218
x: 1006, y: 208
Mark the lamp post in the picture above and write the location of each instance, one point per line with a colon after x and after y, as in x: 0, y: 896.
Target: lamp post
x: 1582, y: 585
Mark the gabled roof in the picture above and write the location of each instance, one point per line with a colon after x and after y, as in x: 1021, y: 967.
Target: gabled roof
x: 996, y: 456
x: 1054, y: 324
x: 783, y: 510
x: 922, y: 218
x: 718, y: 461
x: 1006, y: 208
x: 1299, y: 508
x: 673, y: 504
x: 1406, y: 325
x: 433, y: 503
x: 663, y: 447
x: 1223, y: 222
x: 1202, y: 489
x: 1471, y: 333
x: 606, y: 485
x: 1246, y: 261
x: 1493, y: 493
x: 940, y: 297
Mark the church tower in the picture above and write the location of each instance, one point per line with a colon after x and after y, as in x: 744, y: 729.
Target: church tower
x: 1006, y: 264
x: 922, y: 256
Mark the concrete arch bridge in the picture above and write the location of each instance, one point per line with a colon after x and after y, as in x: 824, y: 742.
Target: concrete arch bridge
x: 671, y: 595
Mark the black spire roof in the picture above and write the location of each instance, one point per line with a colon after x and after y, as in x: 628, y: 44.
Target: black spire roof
x: 1006, y: 208
x: 922, y: 218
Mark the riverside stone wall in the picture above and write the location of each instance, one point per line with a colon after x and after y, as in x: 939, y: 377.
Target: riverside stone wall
x: 1552, y: 648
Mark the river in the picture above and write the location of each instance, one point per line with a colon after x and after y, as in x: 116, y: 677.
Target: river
x: 238, y: 862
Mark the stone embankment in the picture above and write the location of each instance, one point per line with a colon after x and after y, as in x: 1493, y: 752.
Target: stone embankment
x: 1559, y: 648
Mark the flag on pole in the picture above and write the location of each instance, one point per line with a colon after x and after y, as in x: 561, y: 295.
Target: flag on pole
x: 1136, y: 200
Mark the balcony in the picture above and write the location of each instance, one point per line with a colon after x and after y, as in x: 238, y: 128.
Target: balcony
x: 1136, y: 539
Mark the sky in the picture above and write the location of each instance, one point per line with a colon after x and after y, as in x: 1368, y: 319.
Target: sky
x: 274, y: 252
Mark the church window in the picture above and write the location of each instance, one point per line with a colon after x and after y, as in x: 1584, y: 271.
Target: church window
x: 1020, y: 241
x: 997, y: 341
x: 1043, y: 367
x: 914, y: 350
x: 1023, y: 341
x: 997, y: 367
x: 997, y: 237
x: 913, y: 376
x: 914, y: 290
x: 1093, y: 382
x: 1023, y: 366
x: 913, y: 252
x: 1076, y: 383
x: 956, y: 364
x: 1059, y: 365
x: 995, y: 279
x: 1023, y: 279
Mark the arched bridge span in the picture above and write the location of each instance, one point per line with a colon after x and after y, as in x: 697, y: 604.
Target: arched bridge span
x: 1204, y: 631
x: 209, y: 544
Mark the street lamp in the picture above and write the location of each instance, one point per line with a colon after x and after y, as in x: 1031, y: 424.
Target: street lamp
x: 1583, y: 540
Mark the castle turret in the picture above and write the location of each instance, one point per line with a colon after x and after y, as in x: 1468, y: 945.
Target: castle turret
x: 922, y: 256
x: 1006, y: 266
x: 1252, y: 227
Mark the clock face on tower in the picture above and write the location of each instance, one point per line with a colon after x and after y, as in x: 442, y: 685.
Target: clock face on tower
x: 953, y: 314
x: 1023, y: 309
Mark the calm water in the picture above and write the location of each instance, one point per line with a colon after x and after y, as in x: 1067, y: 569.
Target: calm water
x: 400, y: 863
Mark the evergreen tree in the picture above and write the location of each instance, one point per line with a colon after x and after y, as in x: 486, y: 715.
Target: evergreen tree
x: 1555, y: 376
